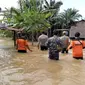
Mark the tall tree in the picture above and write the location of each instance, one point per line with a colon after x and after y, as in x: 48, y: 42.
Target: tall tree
x: 28, y: 16
x: 52, y: 8
x: 68, y: 17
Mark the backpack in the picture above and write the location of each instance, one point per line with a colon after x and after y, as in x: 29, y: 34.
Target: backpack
x: 59, y: 45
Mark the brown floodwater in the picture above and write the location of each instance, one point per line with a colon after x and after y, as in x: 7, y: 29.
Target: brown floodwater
x: 34, y: 68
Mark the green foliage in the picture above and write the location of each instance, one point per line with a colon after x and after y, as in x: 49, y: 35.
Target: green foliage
x: 31, y: 16
x: 67, y: 18
x: 6, y: 33
x: 52, y: 8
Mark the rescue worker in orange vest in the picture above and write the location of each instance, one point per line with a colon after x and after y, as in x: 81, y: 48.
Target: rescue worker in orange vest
x: 22, y: 44
x: 77, y: 46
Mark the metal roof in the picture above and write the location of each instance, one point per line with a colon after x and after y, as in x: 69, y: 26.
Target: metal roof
x: 5, y: 27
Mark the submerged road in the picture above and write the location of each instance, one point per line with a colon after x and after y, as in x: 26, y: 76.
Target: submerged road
x: 34, y: 68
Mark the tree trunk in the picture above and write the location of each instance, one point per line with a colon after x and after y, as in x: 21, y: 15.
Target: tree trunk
x: 32, y: 38
x: 14, y: 38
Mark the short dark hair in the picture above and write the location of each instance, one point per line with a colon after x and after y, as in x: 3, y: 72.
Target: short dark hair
x: 21, y: 35
x: 55, y: 32
x: 18, y: 34
x: 44, y: 33
x: 77, y: 34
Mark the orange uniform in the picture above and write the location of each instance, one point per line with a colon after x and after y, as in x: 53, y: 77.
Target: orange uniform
x: 77, y: 48
x: 21, y: 44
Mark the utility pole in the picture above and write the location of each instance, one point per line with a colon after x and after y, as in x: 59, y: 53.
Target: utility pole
x: 0, y: 9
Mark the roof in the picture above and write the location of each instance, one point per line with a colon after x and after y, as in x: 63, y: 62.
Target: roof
x: 5, y: 27
x: 79, y: 27
x: 62, y: 29
x: 14, y: 29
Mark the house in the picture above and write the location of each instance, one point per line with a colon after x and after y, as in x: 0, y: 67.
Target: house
x: 78, y: 27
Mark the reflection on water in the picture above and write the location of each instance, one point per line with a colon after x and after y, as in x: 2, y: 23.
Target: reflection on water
x: 34, y: 68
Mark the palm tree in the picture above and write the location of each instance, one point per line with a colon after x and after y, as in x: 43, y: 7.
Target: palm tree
x: 52, y: 8
x: 68, y: 17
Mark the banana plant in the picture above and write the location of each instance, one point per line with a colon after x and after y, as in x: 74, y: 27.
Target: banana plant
x: 29, y: 16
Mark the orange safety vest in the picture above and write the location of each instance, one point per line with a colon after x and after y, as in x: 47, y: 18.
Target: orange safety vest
x: 21, y: 44
x: 77, y: 48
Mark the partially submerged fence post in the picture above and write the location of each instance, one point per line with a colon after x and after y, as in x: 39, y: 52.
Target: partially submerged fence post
x: 14, y: 37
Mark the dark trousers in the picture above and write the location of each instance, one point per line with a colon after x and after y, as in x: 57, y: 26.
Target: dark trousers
x: 43, y: 48
x: 22, y: 51
x: 54, y: 55
x: 78, y: 58
x: 64, y: 50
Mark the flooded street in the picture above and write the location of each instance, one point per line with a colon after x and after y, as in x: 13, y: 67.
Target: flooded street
x: 34, y: 68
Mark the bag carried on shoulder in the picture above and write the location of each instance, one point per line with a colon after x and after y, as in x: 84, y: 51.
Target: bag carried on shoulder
x: 59, y: 45
x: 59, y: 48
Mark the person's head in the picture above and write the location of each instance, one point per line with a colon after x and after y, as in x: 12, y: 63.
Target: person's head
x: 18, y: 34
x: 23, y: 37
x: 55, y: 32
x: 77, y: 34
x: 65, y: 33
x: 44, y: 32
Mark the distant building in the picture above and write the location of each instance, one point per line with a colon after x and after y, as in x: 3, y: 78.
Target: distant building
x: 78, y: 27
x: 3, y: 26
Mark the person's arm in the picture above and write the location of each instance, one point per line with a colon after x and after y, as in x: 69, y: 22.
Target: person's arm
x: 27, y: 45
x: 60, y: 42
x: 16, y: 43
x: 83, y: 42
x: 70, y: 46
x: 38, y: 45
x: 47, y: 43
x: 28, y: 48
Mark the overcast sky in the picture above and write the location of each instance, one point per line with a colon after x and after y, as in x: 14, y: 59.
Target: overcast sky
x: 77, y: 4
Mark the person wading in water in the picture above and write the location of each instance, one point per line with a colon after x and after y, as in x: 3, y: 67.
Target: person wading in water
x: 77, y: 46
x: 22, y: 44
